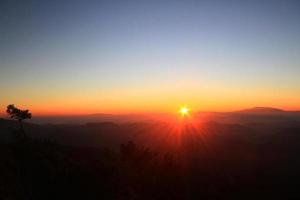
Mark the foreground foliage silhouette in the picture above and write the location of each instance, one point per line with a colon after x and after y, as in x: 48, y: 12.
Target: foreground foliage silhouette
x: 42, y: 169
x: 19, y: 115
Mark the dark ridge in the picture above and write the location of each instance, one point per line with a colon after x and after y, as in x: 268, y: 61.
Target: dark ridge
x: 262, y: 110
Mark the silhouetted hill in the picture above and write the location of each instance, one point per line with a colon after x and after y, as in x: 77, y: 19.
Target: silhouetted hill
x: 92, y: 118
x: 189, y: 160
x: 111, y: 135
x: 262, y: 110
x: 258, y: 115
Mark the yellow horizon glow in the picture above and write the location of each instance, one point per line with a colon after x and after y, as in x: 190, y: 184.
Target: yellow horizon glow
x: 129, y: 106
x: 147, y: 98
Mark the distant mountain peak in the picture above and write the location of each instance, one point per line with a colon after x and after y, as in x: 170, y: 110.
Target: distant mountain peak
x: 262, y: 110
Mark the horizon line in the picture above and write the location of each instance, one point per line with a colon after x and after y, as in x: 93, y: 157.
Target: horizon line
x: 4, y: 115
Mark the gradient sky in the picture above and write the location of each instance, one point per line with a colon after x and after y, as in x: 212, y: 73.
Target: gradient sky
x: 67, y: 57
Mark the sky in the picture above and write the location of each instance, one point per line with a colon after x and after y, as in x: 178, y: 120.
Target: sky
x: 79, y: 57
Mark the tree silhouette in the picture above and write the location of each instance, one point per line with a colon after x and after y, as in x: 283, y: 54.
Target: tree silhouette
x: 18, y: 114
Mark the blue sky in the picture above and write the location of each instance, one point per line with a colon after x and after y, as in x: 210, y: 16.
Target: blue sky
x: 50, y: 48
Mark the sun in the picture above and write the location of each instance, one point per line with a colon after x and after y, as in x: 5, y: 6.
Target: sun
x: 184, y: 110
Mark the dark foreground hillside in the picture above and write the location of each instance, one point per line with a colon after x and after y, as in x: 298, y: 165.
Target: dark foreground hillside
x: 214, y: 161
